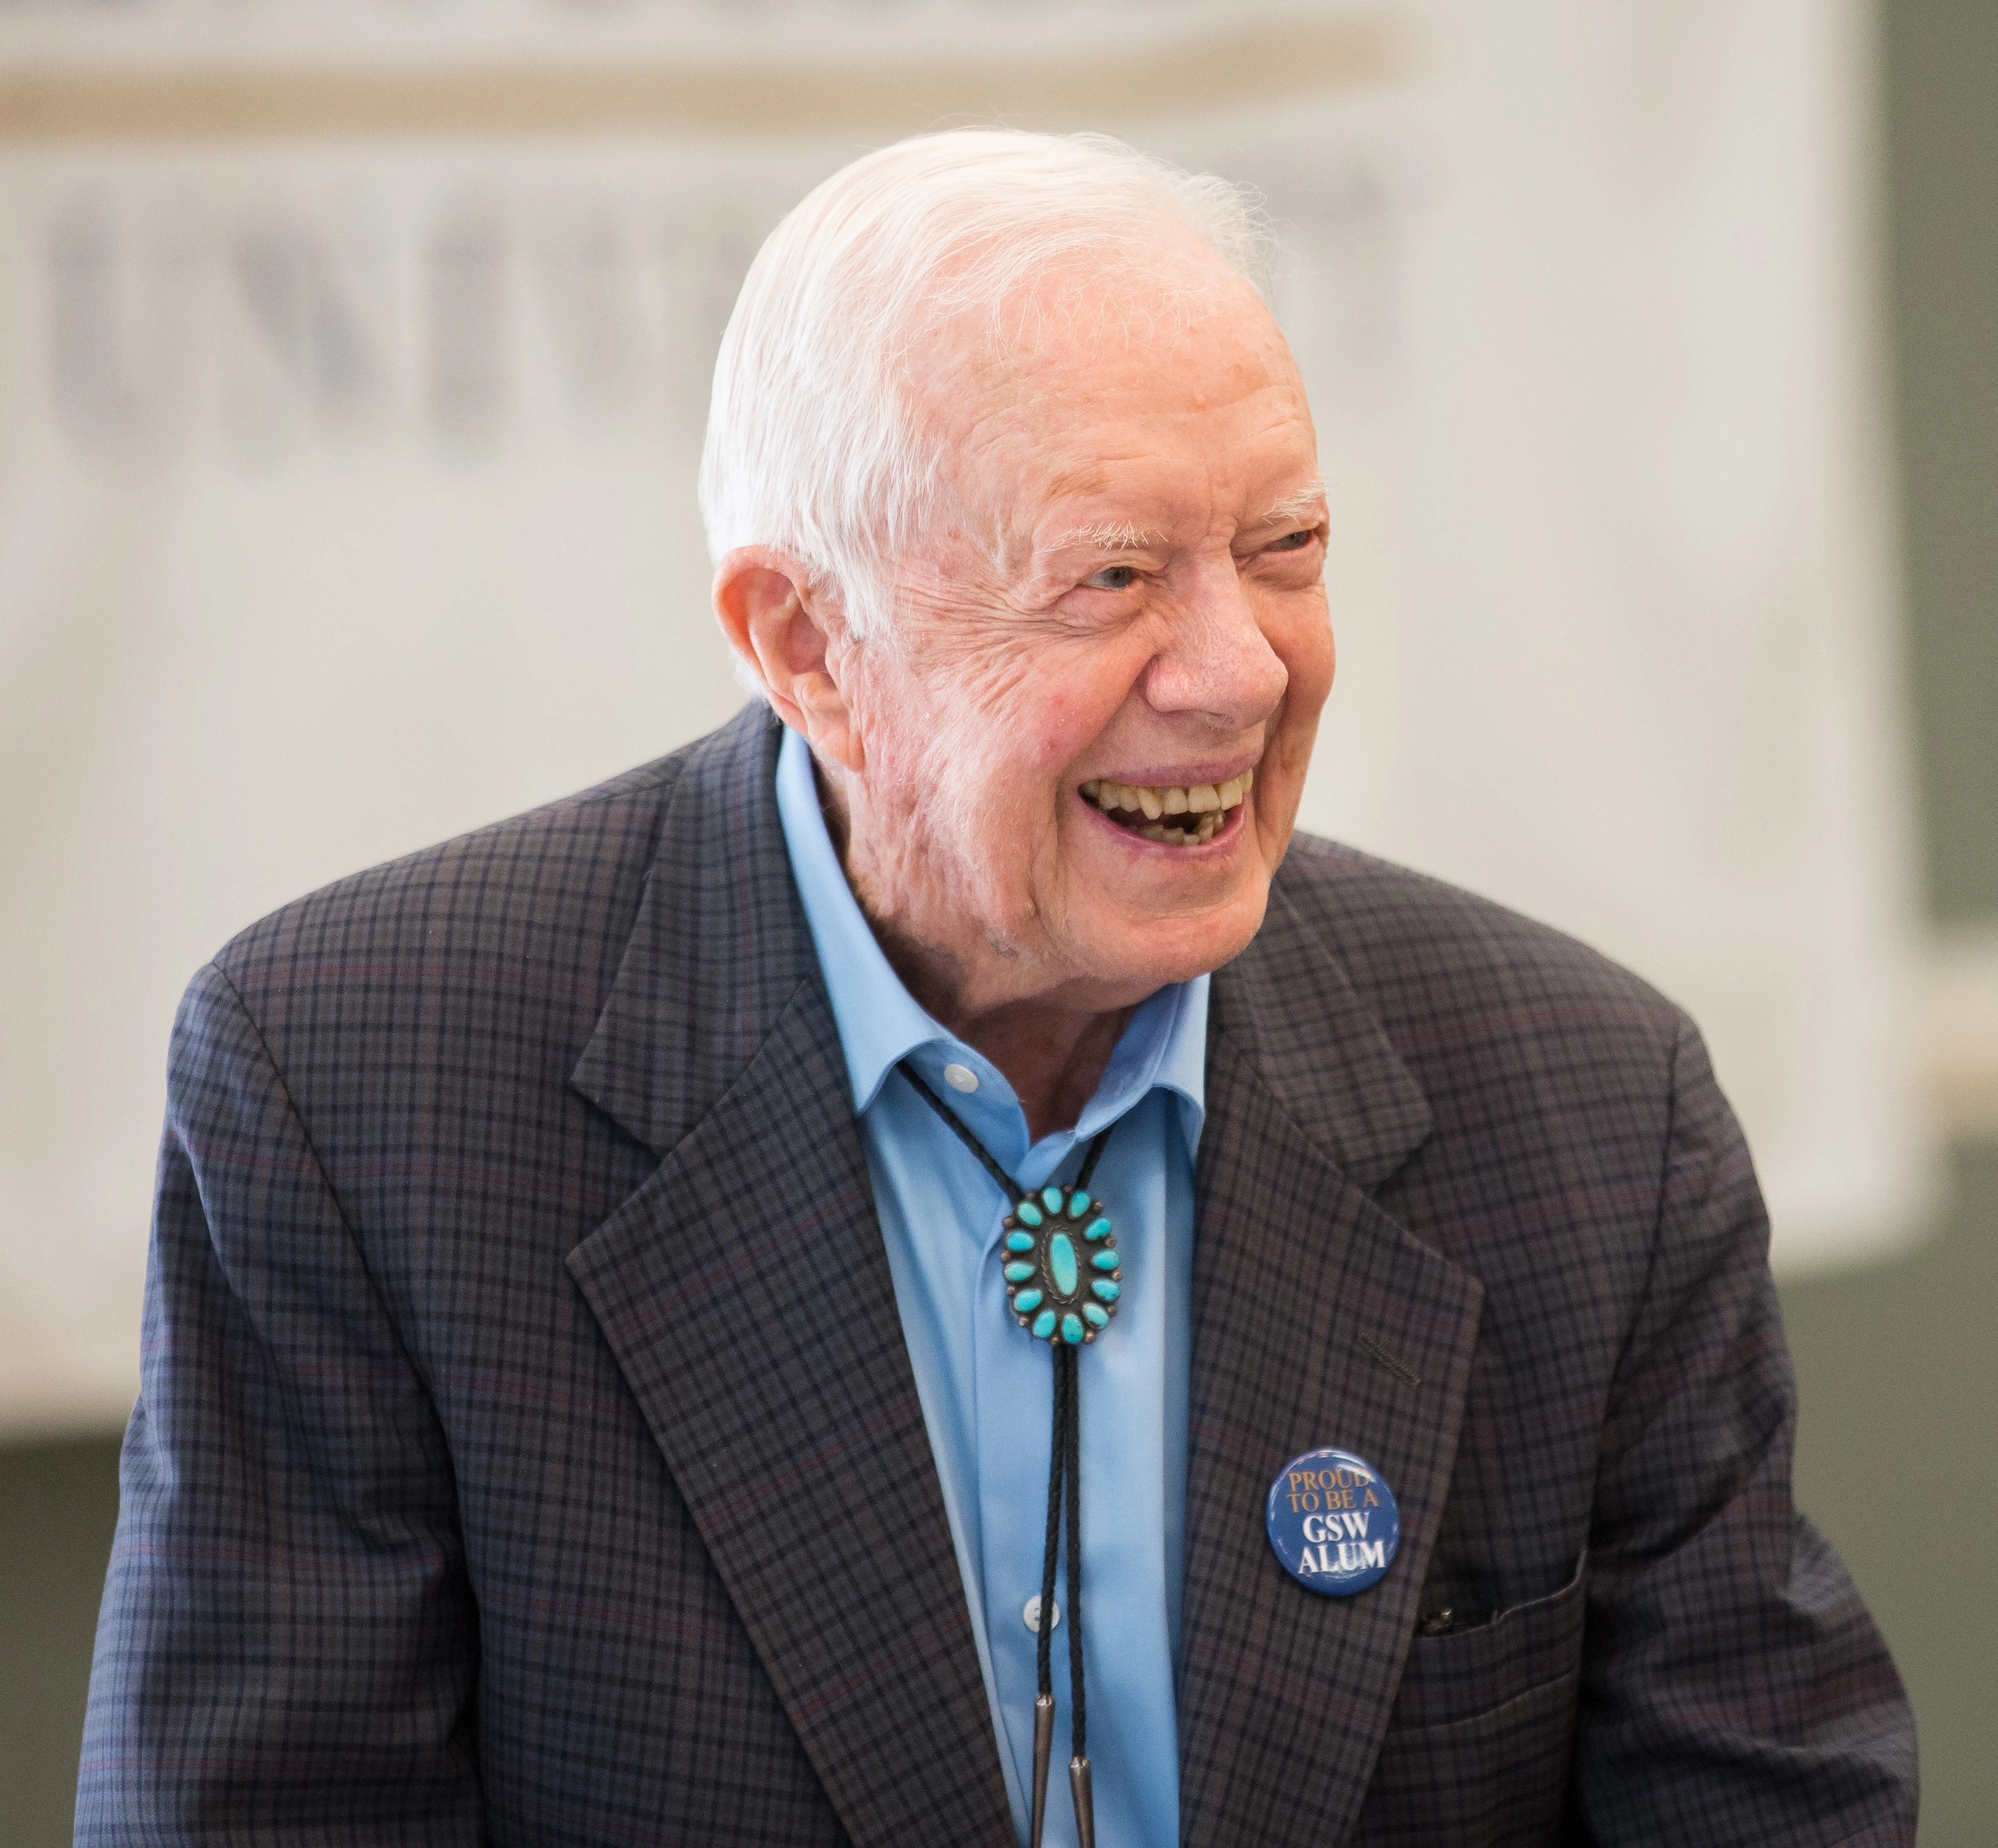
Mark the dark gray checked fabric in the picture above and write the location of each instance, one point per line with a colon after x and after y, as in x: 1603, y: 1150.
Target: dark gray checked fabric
x: 528, y: 1453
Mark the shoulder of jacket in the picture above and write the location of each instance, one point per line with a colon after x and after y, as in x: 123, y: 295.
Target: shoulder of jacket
x: 1435, y: 963
x: 539, y: 905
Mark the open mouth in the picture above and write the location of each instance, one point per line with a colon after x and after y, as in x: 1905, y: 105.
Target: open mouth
x: 1177, y: 814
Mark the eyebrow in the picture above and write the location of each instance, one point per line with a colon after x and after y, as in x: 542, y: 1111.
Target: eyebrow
x: 1107, y: 535
x: 1121, y: 535
x: 1309, y: 501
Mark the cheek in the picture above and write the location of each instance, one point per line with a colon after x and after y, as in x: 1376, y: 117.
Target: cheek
x: 1057, y: 727
x: 1304, y: 645
x: 1069, y: 706
x: 897, y: 742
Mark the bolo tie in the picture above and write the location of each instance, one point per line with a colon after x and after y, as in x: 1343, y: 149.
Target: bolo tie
x: 1062, y: 1281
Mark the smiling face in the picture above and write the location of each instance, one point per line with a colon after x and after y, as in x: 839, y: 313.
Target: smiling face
x: 1080, y: 751
x: 1066, y: 774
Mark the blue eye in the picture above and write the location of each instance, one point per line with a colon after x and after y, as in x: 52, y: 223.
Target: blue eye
x: 1114, y: 577
x: 1293, y: 542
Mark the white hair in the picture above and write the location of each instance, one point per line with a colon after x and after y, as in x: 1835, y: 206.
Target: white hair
x: 812, y: 443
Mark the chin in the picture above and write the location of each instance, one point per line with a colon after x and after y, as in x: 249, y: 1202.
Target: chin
x: 1153, y: 953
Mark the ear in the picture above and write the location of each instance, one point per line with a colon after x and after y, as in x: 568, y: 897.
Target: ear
x: 784, y: 630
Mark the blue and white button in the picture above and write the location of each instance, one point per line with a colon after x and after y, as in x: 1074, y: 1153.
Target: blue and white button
x: 1333, y: 1522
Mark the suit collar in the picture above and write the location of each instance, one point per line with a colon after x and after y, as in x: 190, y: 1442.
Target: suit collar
x: 1290, y: 1009
x: 717, y: 950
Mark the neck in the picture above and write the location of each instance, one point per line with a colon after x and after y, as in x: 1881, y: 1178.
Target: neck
x: 1052, y: 1051
x: 1053, y: 1060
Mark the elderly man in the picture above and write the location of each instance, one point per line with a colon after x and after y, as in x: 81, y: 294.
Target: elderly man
x: 925, y: 1236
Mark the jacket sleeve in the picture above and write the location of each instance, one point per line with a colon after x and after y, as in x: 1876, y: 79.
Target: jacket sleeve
x: 287, y: 1646
x: 1735, y: 1689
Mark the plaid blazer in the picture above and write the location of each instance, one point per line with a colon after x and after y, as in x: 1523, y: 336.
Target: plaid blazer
x: 528, y: 1452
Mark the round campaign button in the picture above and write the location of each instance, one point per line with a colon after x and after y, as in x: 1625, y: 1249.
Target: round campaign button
x: 1333, y: 1522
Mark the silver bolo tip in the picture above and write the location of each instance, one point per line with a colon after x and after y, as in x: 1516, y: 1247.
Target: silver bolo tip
x: 1085, y: 1806
x: 1044, y: 1739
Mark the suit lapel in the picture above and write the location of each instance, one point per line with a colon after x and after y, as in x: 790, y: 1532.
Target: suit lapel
x: 746, y: 1294
x: 1317, y: 1321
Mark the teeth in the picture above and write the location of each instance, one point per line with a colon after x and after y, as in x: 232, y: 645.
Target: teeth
x: 1204, y: 806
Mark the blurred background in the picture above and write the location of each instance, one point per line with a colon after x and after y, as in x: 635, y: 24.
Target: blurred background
x: 352, y: 366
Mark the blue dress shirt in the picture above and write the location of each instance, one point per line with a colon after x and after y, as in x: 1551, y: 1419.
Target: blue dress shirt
x: 986, y: 1384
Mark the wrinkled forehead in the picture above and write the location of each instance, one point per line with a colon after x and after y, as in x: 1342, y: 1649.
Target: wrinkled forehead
x: 1043, y: 404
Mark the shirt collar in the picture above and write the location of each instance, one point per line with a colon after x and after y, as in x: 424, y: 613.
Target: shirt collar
x: 880, y: 1023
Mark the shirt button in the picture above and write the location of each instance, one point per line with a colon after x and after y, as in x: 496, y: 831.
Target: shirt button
x: 1030, y: 1614
x: 960, y: 1077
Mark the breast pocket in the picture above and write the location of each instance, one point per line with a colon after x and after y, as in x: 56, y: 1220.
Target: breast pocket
x: 1476, y: 1750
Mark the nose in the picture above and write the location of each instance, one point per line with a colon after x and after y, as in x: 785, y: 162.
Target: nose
x: 1217, y: 665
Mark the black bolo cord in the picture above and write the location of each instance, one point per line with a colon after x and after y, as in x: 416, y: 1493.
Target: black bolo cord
x: 1064, y: 1475
x: 1072, y: 1467
x: 1044, y: 1677
x: 961, y: 1132
x: 1078, y: 1762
